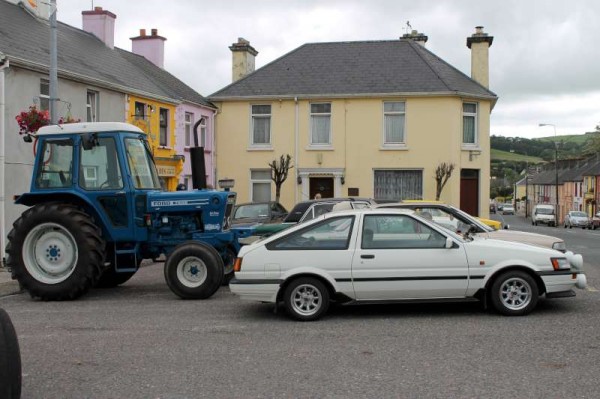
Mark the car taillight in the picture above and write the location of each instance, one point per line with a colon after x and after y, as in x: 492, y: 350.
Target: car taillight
x: 560, y: 263
x: 237, y: 265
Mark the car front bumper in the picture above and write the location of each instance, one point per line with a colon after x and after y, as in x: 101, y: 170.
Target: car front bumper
x: 255, y: 290
x: 563, y: 281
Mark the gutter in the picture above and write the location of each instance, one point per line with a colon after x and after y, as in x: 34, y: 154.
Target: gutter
x: 3, y: 65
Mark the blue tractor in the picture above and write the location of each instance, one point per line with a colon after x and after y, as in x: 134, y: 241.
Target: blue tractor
x: 97, y: 210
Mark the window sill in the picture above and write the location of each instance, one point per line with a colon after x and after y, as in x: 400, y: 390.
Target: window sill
x: 266, y: 148
x: 319, y: 148
x: 470, y: 147
x: 391, y: 147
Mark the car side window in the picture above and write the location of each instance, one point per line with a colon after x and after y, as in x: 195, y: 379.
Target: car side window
x: 330, y: 234
x: 398, y: 232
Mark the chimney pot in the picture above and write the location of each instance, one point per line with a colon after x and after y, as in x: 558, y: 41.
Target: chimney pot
x: 97, y: 8
x: 154, y: 32
x: 142, y: 32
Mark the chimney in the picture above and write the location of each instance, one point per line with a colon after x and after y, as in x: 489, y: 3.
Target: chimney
x: 101, y: 23
x: 242, y: 58
x: 151, y: 47
x: 479, y: 43
x: 416, y: 36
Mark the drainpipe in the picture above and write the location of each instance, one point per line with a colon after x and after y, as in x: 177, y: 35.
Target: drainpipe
x: 53, y: 75
x: 296, y: 148
x: 3, y: 66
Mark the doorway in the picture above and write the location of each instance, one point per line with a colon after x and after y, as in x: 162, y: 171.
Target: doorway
x: 321, y: 185
x: 469, y: 191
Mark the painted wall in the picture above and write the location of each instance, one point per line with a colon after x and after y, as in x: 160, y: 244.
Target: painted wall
x: 182, y: 149
x: 168, y: 164
x: 433, y: 134
x: 22, y: 89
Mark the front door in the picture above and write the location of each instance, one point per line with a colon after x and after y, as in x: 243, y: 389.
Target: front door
x: 322, y: 186
x: 469, y: 191
x: 399, y: 257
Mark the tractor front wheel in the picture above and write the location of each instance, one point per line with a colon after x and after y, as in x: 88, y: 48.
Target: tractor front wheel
x: 194, y: 270
x: 55, y: 251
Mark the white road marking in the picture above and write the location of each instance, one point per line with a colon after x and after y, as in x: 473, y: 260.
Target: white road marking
x: 591, y: 289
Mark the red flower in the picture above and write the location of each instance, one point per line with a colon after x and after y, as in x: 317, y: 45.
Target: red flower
x: 30, y: 121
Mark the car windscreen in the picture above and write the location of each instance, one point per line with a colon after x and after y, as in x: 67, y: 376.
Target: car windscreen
x: 579, y: 214
x: 544, y: 211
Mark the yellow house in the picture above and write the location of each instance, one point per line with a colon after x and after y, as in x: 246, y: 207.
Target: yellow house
x: 157, y: 119
x: 370, y: 119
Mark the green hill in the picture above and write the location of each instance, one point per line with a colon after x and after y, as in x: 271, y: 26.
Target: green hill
x: 498, y: 155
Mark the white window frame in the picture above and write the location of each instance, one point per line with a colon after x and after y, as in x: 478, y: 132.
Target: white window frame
x: 92, y: 105
x: 90, y: 177
x: 398, y: 144
x: 188, y: 123
x: 473, y: 115
x: 202, y: 126
x: 160, y: 112
x: 43, y: 84
x: 260, y: 181
x: 144, y: 109
x: 253, y: 117
x: 417, y: 195
x: 320, y: 114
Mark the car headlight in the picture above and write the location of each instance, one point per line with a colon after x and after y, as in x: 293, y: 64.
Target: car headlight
x: 559, y: 246
x: 560, y: 263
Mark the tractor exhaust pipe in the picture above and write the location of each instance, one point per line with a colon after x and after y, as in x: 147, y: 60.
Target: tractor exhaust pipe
x: 197, y: 161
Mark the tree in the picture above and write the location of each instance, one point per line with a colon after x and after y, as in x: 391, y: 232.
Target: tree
x: 592, y: 145
x: 279, y: 172
x: 442, y: 174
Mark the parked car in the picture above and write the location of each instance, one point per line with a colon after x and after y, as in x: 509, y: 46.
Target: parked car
x: 304, y: 211
x: 577, y: 219
x: 258, y: 212
x: 391, y: 255
x: 596, y: 221
x: 508, y: 209
x: 495, y: 224
x: 458, y: 221
x: 543, y: 213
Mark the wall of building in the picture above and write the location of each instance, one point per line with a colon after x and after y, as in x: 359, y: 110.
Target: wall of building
x: 168, y: 164
x: 180, y: 147
x: 433, y: 134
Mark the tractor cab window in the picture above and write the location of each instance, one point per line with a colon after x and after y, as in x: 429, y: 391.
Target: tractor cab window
x: 55, y: 164
x: 100, y: 166
x: 141, y: 165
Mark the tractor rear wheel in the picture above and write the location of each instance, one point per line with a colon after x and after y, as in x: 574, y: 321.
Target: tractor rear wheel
x: 194, y: 270
x: 10, y: 359
x: 55, y: 251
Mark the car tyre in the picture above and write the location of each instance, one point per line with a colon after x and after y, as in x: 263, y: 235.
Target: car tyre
x: 10, y: 359
x: 306, y: 299
x: 514, y: 293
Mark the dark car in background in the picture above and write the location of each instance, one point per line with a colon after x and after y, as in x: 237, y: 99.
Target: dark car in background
x: 304, y: 211
x: 258, y: 212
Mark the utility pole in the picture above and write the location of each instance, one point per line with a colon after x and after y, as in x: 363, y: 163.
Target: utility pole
x: 53, y: 78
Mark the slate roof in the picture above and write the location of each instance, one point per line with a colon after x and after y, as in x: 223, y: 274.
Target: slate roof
x: 353, y: 69
x: 24, y: 39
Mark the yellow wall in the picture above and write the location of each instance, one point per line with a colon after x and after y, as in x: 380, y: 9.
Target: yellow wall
x: 433, y: 134
x: 165, y: 158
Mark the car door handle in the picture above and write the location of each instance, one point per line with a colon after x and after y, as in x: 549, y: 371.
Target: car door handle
x: 367, y: 256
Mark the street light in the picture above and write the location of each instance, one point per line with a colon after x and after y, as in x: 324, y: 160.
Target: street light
x: 555, y: 170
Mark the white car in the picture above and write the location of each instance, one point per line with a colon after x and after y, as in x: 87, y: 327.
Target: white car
x: 389, y: 255
x: 577, y: 219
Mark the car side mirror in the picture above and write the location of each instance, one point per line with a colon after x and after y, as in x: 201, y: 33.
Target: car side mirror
x: 449, y: 243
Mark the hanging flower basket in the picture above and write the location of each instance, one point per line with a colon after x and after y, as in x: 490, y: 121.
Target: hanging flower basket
x: 68, y: 119
x: 30, y: 121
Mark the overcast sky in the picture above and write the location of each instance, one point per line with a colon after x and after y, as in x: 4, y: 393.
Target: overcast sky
x: 544, y: 61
